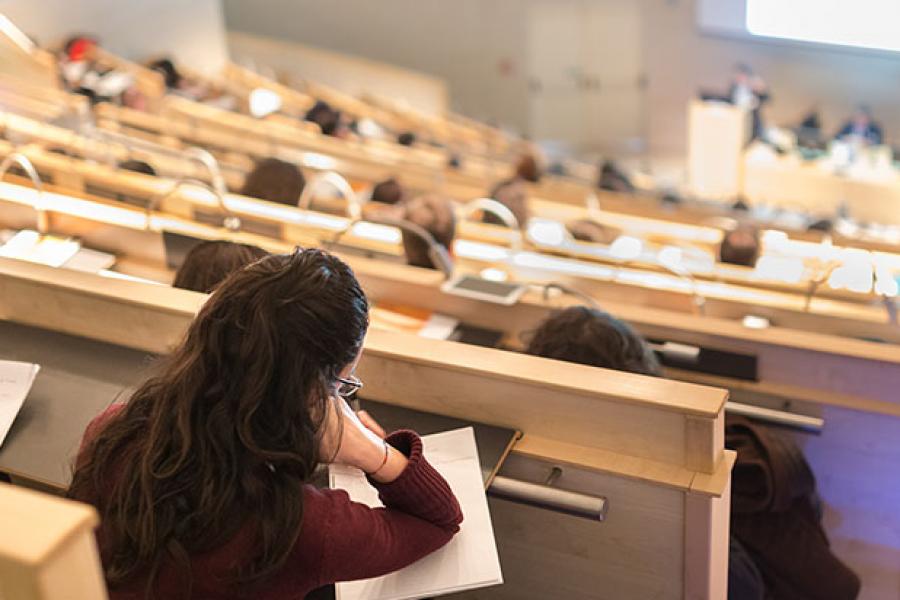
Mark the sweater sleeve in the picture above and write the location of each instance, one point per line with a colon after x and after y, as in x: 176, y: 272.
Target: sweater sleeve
x: 420, y: 515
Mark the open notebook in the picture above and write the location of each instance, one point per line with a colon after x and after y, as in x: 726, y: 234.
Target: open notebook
x: 15, y: 383
x: 469, y: 561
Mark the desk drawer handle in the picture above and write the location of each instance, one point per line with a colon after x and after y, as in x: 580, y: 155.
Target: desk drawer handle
x: 776, y: 417
x: 550, y: 498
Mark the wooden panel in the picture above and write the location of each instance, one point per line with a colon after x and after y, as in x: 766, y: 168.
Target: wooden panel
x: 500, y: 388
x: 93, y: 306
x: 47, y: 549
x: 636, y: 553
x: 704, y: 440
x: 706, y: 531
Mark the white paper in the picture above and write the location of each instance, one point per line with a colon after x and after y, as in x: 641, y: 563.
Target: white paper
x: 439, y: 327
x: 15, y: 383
x: 468, y: 561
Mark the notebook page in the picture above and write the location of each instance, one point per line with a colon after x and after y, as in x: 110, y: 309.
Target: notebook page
x: 15, y: 383
x: 469, y: 561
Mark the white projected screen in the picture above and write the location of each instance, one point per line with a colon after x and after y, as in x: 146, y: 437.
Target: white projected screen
x: 871, y: 24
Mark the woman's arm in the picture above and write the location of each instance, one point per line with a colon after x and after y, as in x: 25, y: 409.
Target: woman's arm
x: 421, y: 514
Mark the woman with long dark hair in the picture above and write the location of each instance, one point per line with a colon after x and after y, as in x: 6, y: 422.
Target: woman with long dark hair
x: 202, y: 478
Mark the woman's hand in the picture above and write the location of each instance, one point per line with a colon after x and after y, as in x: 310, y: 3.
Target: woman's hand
x: 351, y: 439
x: 357, y: 440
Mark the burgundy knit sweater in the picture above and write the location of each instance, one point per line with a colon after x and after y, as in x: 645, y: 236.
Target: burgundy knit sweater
x: 340, y: 540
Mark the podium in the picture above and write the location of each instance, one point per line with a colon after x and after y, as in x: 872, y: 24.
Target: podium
x: 717, y: 135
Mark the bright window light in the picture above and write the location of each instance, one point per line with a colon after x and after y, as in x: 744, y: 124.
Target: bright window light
x: 870, y: 24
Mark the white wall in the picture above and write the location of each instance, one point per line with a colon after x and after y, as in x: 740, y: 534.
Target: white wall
x: 356, y: 76
x: 191, y: 31
x: 466, y: 41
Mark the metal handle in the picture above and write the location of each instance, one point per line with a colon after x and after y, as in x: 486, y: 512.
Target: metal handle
x: 354, y: 203
x: 205, y: 158
x: 43, y: 222
x: 776, y: 417
x: 497, y: 209
x: 550, y: 498
x: 231, y: 222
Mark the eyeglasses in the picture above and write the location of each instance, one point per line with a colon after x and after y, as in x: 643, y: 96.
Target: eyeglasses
x: 348, y: 386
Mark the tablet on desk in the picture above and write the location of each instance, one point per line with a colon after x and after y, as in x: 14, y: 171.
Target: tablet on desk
x: 470, y: 286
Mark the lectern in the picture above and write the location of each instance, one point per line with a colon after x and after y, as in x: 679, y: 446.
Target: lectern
x: 717, y: 135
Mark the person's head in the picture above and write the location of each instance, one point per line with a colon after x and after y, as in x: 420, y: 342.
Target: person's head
x: 740, y: 247
x: 387, y: 192
x: 325, y: 117
x: 229, y: 428
x: 79, y: 47
x: 435, y: 215
x: 585, y: 230
x: 407, y: 138
x: 742, y: 73
x: 528, y: 168
x: 209, y: 263
x: 862, y: 116
x: 589, y: 336
x: 138, y: 166
x: 167, y: 69
x: 276, y: 181
x: 513, y: 195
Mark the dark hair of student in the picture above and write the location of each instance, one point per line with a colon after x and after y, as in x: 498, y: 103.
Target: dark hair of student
x: 324, y: 116
x: 276, y: 181
x: 229, y: 427
x: 528, y: 169
x: 513, y: 195
x: 589, y: 336
x: 170, y: 74
x: 435, y: 215
x: 585, y: 230
x: 138, y: 166
x: 209, y: 263
x: 387, y: 192
x: 740, y: 247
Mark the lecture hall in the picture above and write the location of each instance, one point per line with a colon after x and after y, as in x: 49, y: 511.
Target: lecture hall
x: 484, y: 299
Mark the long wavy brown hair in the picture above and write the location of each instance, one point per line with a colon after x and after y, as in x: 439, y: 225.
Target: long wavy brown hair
x: 230, y: 423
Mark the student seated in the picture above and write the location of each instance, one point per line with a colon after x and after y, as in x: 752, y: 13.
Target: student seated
x: 613, y: 179
x: 406, y: 138
x: 435, y: 215
x: 388, y: 191
x: 209, y: 263
x: 276, y: 181
x: 740, y: 247
x: 589, y: 336
x: 528, y: 168
x: 512, y: 194
x: 202, y: 479
x: 137, y: 166
x: 585, y: 230
x: 325, y: 117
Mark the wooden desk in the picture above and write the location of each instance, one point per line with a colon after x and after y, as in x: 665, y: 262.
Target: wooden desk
x: 657, y: 444
x: 813, y: 187
x: 79, y: 378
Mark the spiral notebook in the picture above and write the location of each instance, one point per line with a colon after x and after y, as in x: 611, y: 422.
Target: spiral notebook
x: 468, y: 562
